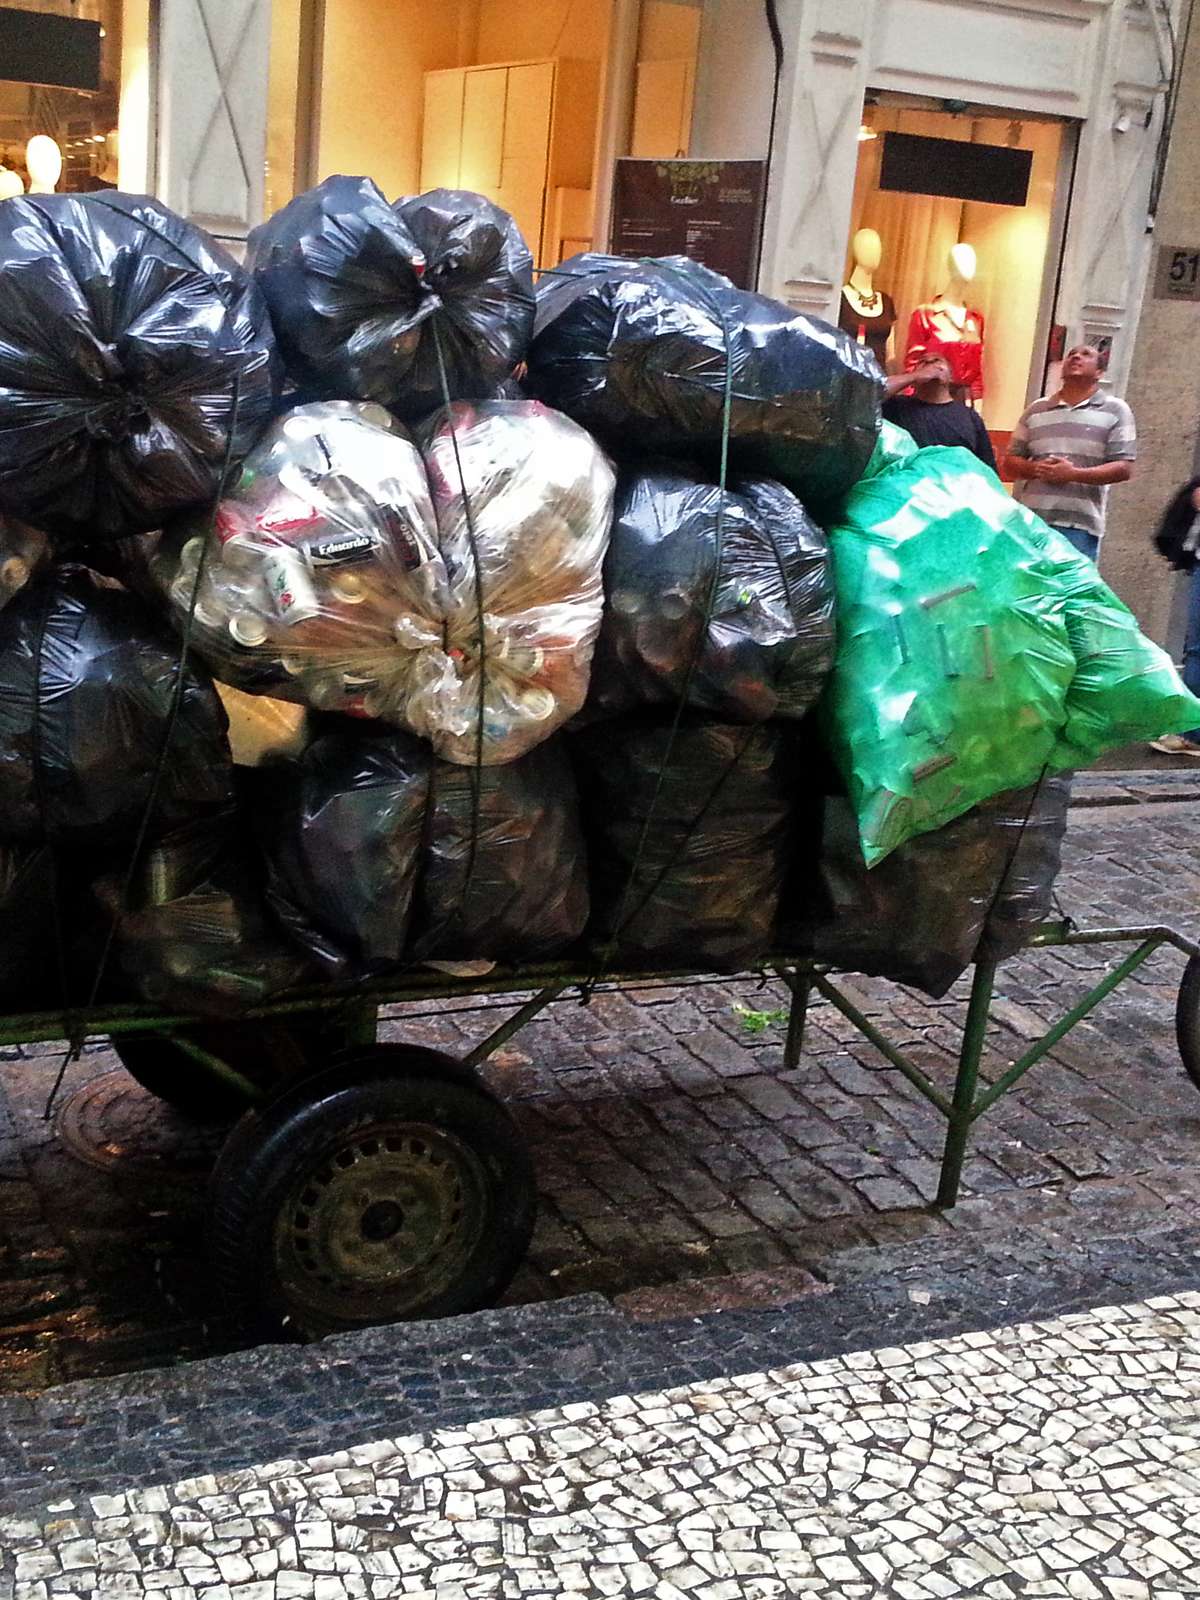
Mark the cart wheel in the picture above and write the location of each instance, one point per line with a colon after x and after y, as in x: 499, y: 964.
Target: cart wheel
x: 1187, y: 1019
x: 390, y: 1188
x: 266, y: 1053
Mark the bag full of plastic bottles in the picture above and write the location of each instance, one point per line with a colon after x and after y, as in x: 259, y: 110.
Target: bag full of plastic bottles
x: 87, y: 690
x: 977, y: 650
x: 656, y: 356
x: 403, y: 304
x: 456, y: 593
x: 721, y: 598
x: 136, y: 358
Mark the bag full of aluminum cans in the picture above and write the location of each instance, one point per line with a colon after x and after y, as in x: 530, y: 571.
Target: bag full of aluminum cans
x: 451, y: 587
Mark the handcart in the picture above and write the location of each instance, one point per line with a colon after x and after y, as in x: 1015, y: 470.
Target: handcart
x: 369, y: 1182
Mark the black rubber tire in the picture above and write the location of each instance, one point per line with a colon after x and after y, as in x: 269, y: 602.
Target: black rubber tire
x: 1187, y: 1019
x: 391, y: 1188
x: 269, y: 1054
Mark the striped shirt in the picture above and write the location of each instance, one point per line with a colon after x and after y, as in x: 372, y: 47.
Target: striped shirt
x: 1097, y: 430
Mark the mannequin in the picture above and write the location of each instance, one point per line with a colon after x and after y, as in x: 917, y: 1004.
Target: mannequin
x: 43, y: 162
x: 865, y: 312
x: 11, y: 184
x: 948, y: 325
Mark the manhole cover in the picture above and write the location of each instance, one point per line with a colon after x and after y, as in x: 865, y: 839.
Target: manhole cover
x: 116, y: 1125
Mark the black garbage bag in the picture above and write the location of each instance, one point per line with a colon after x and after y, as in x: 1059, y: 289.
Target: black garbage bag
x: 33, y: 970
x: 341, y: 831
x: 504, y: 873
x: 750, y: 561
x: 87, y: 679
x: 378, y: 855
x: 638, y: 351
x: 977, y: 886
x: 362, y: 293
x: 124, y: 332
x: 699, y: 886
x: 194, y: 932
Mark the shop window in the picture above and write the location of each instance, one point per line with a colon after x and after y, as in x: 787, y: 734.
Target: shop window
x: 66, y: 138
x: 1003, y: 305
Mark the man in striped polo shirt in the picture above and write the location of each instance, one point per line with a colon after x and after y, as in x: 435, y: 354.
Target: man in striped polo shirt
x: 1068, y: 448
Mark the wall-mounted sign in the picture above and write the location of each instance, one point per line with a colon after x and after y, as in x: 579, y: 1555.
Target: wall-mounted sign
x: 1178, y: 274
x: 709, y: 211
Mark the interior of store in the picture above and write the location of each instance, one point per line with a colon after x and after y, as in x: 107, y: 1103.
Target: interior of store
x: 998, y: 293
x: 501, y: 96
x: 57, y: 139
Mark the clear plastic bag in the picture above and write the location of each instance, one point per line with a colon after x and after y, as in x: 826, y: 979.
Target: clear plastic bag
x: 523, y: 533
x: 322, y: 579
x: 333, y: 578
x: 372, y: 301
x: 748, y: 559
x: 124, y: 332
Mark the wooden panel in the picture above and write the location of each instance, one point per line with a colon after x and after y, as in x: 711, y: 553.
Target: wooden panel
x: 662, y: 110
x: 527, y: 113
x: 526, y: 148
x: 441, y: 131
x: 573, y: 132
x: 484, y: 96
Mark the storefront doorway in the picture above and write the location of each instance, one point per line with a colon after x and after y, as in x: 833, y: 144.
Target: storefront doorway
x: 1005, y: 197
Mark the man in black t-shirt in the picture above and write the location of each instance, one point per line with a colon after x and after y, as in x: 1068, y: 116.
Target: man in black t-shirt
x: 931, y: 413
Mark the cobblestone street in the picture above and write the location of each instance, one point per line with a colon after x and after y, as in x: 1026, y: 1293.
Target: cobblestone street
x: 681, y: 1168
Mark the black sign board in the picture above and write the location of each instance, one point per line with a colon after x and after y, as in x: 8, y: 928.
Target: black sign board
x: 61, y: 52
x: 709, y: 211
x: 995, y: 173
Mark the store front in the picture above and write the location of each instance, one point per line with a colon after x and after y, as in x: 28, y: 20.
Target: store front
x: 955, y: 245
x: 70, y: 90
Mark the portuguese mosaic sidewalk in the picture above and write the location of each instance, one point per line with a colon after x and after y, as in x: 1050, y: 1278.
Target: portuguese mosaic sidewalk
x: 1054, y: 1458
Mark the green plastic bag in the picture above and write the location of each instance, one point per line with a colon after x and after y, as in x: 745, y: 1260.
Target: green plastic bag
x: 977, y: 649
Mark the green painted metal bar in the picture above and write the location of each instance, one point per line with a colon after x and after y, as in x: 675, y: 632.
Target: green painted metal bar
x: 966, y: 1080
x: 870, y: 1032
x: 1062, y: 1027
x: 800, y: 985
x: 515, y: 1023
x: 250, y: 1092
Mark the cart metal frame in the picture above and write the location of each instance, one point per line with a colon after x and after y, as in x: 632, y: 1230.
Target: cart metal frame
x: 355, y: 1009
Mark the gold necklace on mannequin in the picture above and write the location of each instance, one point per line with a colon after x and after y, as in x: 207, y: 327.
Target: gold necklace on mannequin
x: 869, y: 305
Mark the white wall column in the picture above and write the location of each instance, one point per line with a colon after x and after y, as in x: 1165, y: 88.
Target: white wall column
x: 212, y: 65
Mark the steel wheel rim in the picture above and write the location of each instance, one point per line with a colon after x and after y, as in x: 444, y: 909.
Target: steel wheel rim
x: 383, y: 1223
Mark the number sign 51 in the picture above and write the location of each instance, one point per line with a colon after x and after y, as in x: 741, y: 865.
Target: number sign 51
x: 1178, y: 275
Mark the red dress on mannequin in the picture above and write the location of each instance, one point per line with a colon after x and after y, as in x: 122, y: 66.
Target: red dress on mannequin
x: 935, y: 331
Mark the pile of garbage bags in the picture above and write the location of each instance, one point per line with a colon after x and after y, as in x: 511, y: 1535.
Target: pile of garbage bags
x: 363, y: 607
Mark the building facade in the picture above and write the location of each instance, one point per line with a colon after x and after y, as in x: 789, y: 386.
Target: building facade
x: 895, y: 118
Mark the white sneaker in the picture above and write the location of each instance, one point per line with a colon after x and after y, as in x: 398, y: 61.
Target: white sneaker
x: 1174, y: 744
